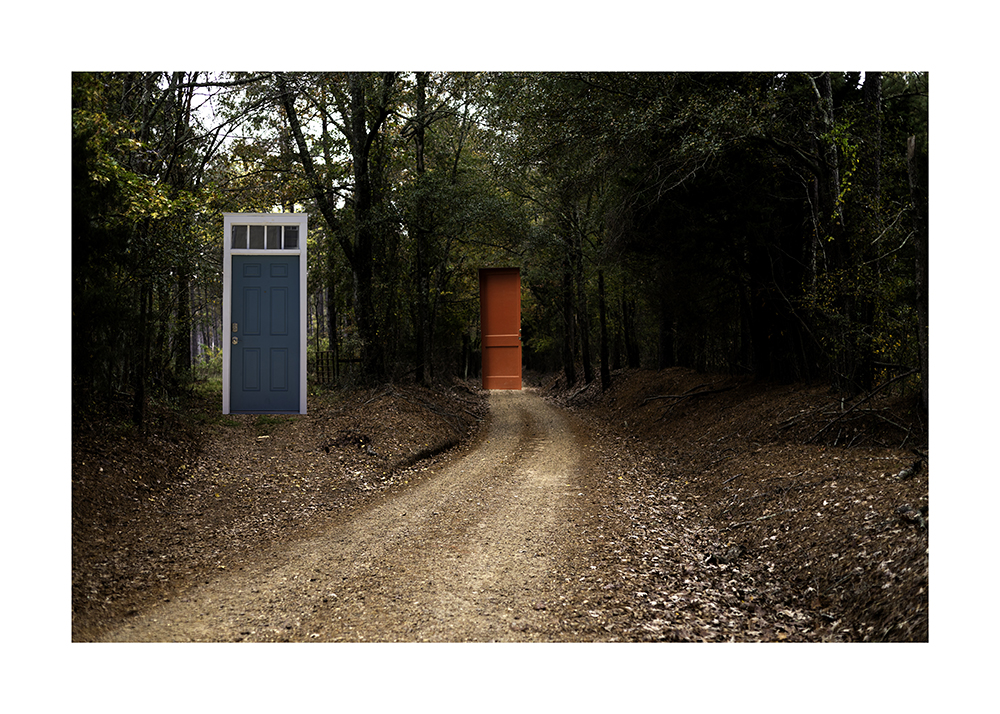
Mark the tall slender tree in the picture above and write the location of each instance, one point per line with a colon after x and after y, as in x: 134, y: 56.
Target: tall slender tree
x: 363, y: 103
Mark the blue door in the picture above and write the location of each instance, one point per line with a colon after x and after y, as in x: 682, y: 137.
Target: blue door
x: 264, y: 373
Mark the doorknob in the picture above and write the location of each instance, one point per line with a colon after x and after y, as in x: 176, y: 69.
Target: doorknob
x: 235, y: 340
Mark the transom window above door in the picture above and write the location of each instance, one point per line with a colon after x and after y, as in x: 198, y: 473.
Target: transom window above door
x: 265, y: 237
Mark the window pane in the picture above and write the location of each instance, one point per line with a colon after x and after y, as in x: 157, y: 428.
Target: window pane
x: 256, y: 237
x: 239, y: 237
x: 274, y: 237
x: 291, y: 236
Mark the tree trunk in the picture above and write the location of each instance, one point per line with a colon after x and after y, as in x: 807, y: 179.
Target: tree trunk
x: 632, y: 357
x: 161, y: 357
x: 832, y: 231
x: 873, y: 110
x: 422, y: 238
x: 583, y: 314
x: 831, y: 210
x: 141, y: 365
x: 666, y: 346
x: 324, y: 202
x: 602, y: 306
x: 182, y: 340
x: 870, y: 182
x: 319, y: 309
x: 762, y: 313
x: 364, y: 242
x: 916, y: 162
x: 568, y: 338
x: 331, y: 309
x: 361, y: 136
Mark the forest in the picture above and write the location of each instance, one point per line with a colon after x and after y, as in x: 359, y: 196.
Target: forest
x: 764, y: 224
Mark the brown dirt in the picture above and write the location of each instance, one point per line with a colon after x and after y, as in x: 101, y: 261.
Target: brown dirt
x: 764, y: 512
x: 550, y: 515
x: 201, y: 492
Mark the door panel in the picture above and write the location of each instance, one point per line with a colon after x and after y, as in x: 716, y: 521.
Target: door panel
x: 279, y: 311
x: 251, y: 311
x: 279, y: 369
x: 265, y: 351
x: 500, y: 321
x: 250, y: 369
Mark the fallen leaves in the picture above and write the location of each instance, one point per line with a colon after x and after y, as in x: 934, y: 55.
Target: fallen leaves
x: 223, y: 491
x: 813, y: 522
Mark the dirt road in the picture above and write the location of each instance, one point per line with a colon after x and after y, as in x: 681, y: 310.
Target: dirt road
x: 473, y: 553
x: 403, y: 513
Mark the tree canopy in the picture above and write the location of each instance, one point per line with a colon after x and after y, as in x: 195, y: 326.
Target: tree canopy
x: 772, y: 224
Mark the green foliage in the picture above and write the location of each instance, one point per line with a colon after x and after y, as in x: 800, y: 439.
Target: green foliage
x: 210, y: 365
x: 751, y: 222
x: 842, y: 137
x: 140, y: 233
x: 266, y: 423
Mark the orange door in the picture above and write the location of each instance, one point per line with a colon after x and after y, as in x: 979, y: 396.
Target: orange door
x: 500, y: 323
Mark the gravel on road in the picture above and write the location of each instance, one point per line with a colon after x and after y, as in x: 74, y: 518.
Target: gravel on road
x: 473, y: 553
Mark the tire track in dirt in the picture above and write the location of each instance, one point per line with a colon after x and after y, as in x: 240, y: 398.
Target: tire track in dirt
x: 470, y: 554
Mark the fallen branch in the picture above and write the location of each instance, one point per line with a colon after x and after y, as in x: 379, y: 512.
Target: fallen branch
x: 577, y: 392
x: 804, y: 413
x: 388, y: 390
x: 689, y: 393
x: 859, y: 403
x: 445, y: 416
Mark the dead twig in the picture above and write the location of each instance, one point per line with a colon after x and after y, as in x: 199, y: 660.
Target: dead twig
x: 859, y: 435
x: 762, y: 518
x: 681, y: 397
x: 804, y: 413
x: 579, y: 391
x: 445, y: 416
x: 689, y: 393
x: 722, y: 457
x: 859, y: 403
x: 388, y: 390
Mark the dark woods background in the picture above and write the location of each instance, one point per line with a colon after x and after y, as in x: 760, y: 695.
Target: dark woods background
x: 772, y: 224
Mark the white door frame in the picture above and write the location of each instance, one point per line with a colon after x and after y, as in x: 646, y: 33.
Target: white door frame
x: 258, y: 219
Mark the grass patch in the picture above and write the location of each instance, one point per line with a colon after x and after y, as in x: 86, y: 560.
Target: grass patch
x: 264, y: 423
x: 205, y: 404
